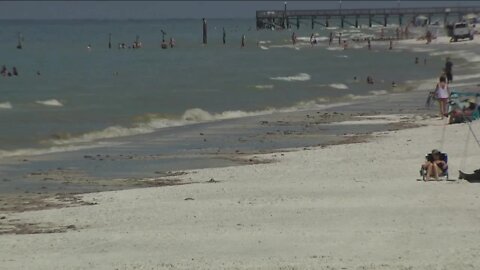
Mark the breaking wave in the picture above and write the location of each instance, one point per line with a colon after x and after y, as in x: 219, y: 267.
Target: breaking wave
x: 50, y: 102
x: 338, y: 86
x: 301, y: 77
x: 191, y: 116
x: 151, y: 122
x: 5, y: 105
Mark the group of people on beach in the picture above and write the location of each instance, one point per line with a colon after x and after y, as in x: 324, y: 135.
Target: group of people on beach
x: 5, y: 73
x: 436, y: 163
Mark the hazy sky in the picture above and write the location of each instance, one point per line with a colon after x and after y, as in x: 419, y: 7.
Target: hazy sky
x: 181, y: 9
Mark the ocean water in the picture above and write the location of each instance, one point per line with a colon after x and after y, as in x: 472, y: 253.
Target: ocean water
x: 84, y: 95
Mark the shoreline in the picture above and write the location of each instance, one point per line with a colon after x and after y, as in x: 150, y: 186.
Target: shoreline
x: 42, y: 199
x: 50, y: 173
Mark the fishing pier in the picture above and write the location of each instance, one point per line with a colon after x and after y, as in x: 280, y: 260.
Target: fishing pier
x: 284, y: 19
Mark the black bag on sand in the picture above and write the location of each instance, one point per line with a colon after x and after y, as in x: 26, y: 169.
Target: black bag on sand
x: 472, y: 178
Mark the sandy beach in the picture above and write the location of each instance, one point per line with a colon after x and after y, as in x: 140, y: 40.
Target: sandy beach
x: 356, y: 202
x: 353, y: 206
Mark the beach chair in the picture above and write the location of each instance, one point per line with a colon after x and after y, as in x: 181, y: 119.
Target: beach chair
x: 429, y: 157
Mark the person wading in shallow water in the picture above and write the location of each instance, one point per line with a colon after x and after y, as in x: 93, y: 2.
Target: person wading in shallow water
x: 448, y: 70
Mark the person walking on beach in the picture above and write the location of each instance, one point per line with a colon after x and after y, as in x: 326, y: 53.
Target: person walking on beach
x: 428, y: 37
x: 330, y: 39
x: 391, y: 45
x: 442, y: 92
x: 369, y: 44
x: 448, y: 70
x: 243, y: 41
x: 294, y: 38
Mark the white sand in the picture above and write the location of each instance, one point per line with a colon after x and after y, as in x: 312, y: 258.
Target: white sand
x: 353, y: 206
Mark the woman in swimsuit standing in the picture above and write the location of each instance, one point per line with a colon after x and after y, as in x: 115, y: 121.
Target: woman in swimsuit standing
x: 442, y: 93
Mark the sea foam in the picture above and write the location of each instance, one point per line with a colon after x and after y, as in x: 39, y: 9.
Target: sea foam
x: 338, y: 86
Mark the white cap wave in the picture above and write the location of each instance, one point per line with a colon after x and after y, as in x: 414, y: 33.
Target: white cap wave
x: 50, y: 102
x: 5, y: 105
x: 299, y: 77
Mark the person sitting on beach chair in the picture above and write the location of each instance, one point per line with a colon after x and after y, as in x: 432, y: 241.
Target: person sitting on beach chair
x: 463, y: 112
x: 435, y: 166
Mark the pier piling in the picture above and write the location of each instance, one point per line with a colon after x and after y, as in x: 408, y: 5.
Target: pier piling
x: 204, y: 31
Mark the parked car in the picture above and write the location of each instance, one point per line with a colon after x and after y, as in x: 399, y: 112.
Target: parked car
x: 461, y: 30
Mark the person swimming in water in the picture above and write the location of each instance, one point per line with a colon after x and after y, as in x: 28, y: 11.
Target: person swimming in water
x: 369, y: 80
x: 3, y: 72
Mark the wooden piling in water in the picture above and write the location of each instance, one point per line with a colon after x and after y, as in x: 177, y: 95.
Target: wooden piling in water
x: 204, y: 31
